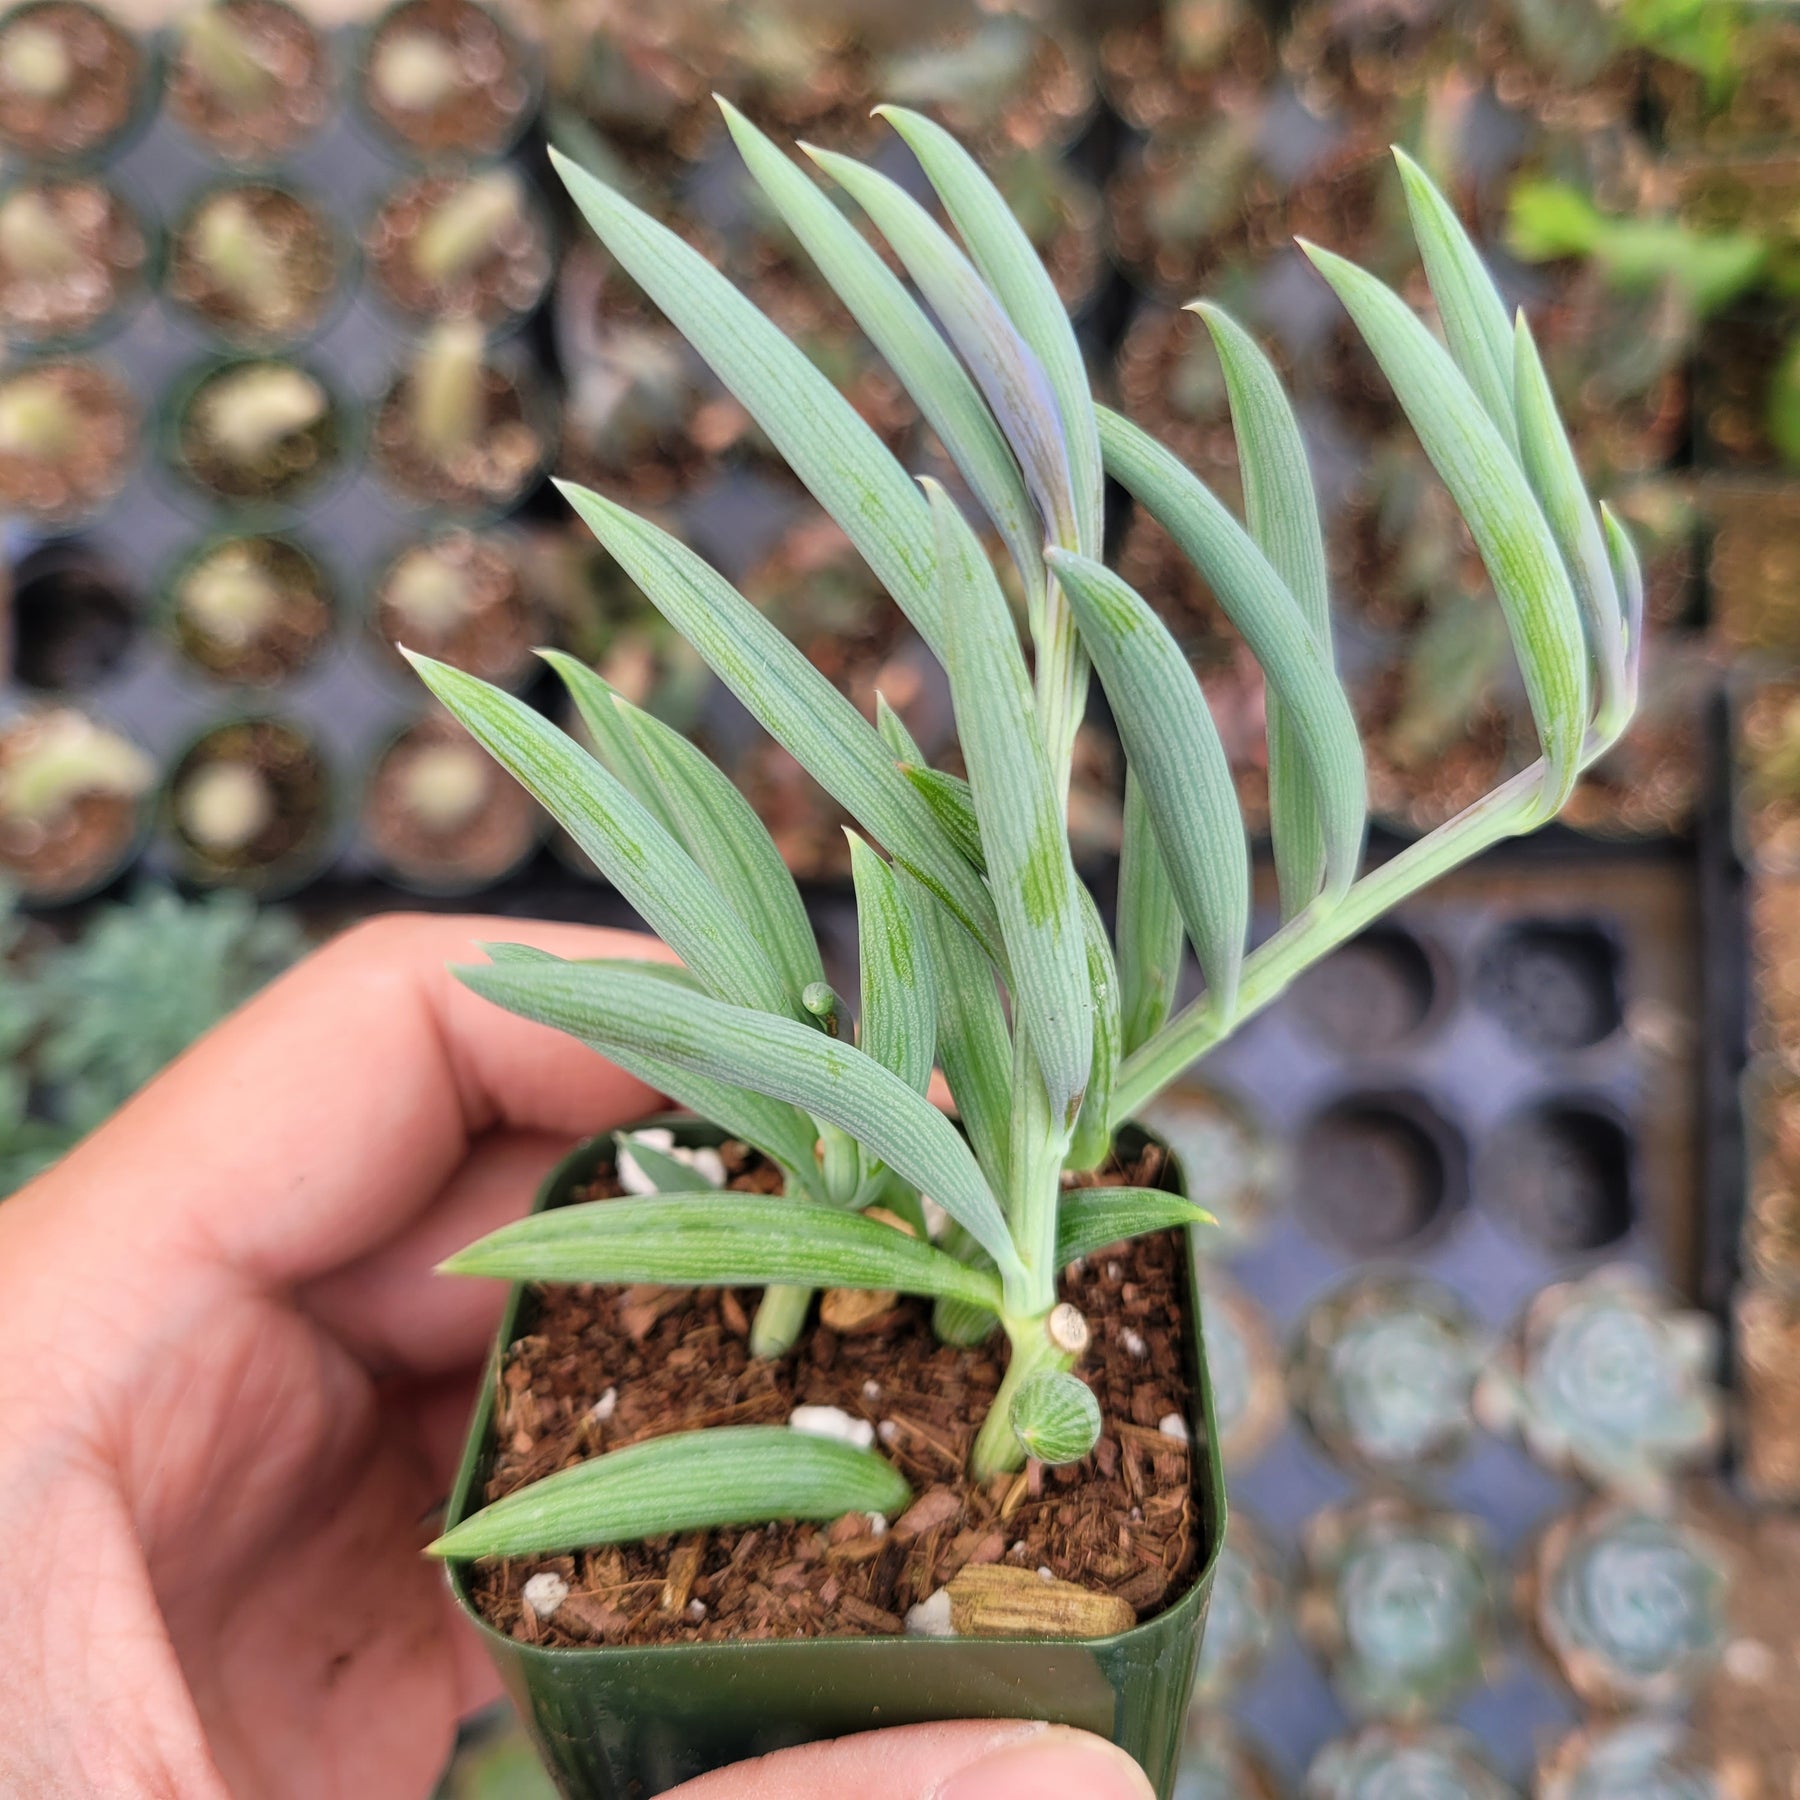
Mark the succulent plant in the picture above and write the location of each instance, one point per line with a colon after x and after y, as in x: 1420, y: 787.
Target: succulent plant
x: 1387, y: 1762
x: 1605, y: 1377
x: 1643, y: 1759
x: 981, y: 886
x: 1217, y: 1765
x: 1384, y: 1371
x: 28, y: 1145
x: 1400, y: 1604
x: 113, y: 1016
x: 1632, y: 1605
x: 1248, y: 1598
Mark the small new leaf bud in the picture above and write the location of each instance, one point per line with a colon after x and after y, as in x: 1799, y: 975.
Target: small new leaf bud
x: 1056, y: 1417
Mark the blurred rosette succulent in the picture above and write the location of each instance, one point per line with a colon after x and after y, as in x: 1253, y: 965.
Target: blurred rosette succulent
x: 1631, y: 1605
x: 1605, y: 1378
x: 1400, y: 1606
x: 1387, y: 1762
x: 1384, y: 1371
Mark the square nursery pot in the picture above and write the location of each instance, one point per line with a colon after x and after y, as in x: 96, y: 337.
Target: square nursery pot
x: 620, y: 1722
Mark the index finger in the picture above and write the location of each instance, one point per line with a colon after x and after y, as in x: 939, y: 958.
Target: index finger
x: 312, y: 1125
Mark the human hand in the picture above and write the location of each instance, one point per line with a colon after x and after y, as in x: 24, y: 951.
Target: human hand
x: 232, y: 1393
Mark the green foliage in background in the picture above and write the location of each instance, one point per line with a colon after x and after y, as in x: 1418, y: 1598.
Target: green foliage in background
x: 85, y: 1024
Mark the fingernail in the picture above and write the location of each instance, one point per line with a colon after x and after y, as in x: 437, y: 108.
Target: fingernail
x: 1057, y: 1764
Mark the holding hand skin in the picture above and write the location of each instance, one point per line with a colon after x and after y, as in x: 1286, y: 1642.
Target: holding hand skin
x: 232, y: 1394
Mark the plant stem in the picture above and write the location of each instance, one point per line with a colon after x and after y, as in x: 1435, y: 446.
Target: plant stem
x: 1053, y: 1339
x: 1039, y: 1144
x: 1062, y: 683
x: 780, y: 1318
x: 1511, y: 808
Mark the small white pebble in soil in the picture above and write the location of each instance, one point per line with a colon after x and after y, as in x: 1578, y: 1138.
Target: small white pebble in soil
x: 1045, y: 1572
x: 1137, y: 1515
x: 658, y: 1137
x: 871, y: 1390
x: 887, y: 1431
x: 1173, y: 1425
x: 1112, y: 1271
x: 832, y: 1422
x: 604, y: 1408
x: 931, y: 1617
x: 877, y: 1526
x: 696, y: 1610
x: 1018, y: 1549
x: 1134, y: 1345
x: 544, y: 1593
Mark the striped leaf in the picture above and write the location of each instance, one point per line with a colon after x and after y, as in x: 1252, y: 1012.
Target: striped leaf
x: 974, y: 1044
x: 1092, y: 1218
x: 1093, y: 1129
x: 1055, y: 1416
x: 687, y: 1481
x: 793, y: 702
x: 1555, y: 477
x: 820, y: 435
x: 1491, y: 492
x: 1009, y: 265
x: 898, y: 327
x: 1173, y: 747
x: 952, y: 802
x: 1022, y: 827
x: 1003, y: 364
x: 1468, y: 303
x: 1295, y: 659
x: 899, y: 992
x: 613, y: 744
x: 782, y: 1133
x: 719, y: 1240
x: 731, y: 844
x: 1149, y: 927
x: 1283, y: 517
x: 621, y: 1011
x: 1628, y: 578
x: 630, y: 848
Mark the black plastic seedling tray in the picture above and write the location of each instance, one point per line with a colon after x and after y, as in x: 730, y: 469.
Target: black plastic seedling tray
x: 1536, y: 992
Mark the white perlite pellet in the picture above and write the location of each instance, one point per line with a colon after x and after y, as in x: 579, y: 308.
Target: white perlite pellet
x: 931, y: 1617
x: 544, y: 1593
x: 658, y: 1137
x: 1173, y: 1425
x: 1134, y: 1345
x: 604, y: 1408
x: 832, y: 1422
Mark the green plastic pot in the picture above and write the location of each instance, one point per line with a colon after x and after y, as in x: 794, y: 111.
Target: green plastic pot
x: 623, y: 1723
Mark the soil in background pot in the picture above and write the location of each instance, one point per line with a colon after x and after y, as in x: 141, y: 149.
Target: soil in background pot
x: 69, y: 79
x: 445, y: 79
x: 256, y: 264
x: 252, y: 79
x: 71, y: 255
x: 248, y: 803
x: 461, y: 599
x: 260, y: 431
x: 441, y: 813
x: 253, y: 610
x: 68, y: 433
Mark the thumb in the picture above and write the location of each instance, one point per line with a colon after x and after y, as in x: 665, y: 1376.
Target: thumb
x: 974, y: 1760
